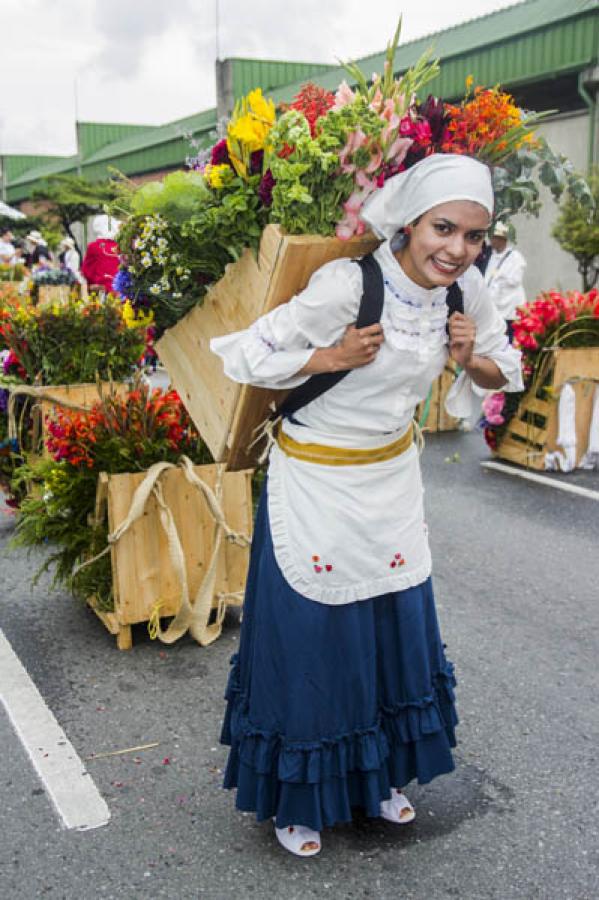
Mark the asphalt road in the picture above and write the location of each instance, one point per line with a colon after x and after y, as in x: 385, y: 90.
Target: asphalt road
x: 517, y: 584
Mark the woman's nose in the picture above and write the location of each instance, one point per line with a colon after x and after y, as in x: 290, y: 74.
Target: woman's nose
x: 456, y: 245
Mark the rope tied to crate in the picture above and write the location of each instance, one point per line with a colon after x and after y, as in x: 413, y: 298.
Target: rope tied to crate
x: 191, y: 616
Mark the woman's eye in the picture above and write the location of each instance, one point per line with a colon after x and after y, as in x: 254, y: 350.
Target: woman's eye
x: 442, y: 229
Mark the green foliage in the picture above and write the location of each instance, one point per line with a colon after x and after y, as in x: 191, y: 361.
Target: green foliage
x: 182, y: 237
x: 98, y: 340
x: 71, y: 198
x: 577, y: 231
x: 177, y: 197
x: 309, y: 191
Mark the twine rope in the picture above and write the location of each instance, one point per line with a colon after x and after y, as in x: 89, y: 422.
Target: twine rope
x: 191, y: 616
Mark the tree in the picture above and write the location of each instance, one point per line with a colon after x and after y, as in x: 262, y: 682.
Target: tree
x: 577, y: 232
x: 70, y: 199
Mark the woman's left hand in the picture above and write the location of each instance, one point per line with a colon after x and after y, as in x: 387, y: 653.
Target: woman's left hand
x: 462, y: 335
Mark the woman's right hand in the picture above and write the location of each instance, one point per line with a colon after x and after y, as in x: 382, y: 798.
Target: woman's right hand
x: 359, y: 346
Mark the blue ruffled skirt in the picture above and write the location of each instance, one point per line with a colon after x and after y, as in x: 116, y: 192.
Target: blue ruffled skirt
x: 328, y: 707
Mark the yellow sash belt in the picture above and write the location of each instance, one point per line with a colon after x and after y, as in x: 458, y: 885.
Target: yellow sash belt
x: 340, y: 456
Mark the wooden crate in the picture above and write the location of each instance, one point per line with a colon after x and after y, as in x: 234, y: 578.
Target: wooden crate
x: 224, y: 412
x: 81, y: 395
x: 142, y: 570
x: 533, y: 430
x: 437, y: 417
x: 49, y: 294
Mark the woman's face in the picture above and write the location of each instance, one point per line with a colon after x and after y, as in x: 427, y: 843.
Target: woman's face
x: 444, y: 242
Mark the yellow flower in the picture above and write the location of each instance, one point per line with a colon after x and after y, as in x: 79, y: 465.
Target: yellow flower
x: 252, y: 119
x: 133, y: 319
x: 260, y: 107
x: 217, y: 176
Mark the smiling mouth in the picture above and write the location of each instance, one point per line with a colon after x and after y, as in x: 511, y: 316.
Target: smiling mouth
x: 444, y: 266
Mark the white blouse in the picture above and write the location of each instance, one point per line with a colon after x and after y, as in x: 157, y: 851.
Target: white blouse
x: 346, y: 533
x: 380, y: 397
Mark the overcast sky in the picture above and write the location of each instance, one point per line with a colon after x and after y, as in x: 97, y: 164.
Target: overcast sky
x: 152, y: 61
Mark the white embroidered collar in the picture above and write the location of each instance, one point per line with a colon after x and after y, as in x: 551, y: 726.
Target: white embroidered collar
x: 403, y: 285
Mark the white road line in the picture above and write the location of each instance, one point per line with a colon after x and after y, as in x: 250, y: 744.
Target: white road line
x: 542, y: 479
x: 71, y: 789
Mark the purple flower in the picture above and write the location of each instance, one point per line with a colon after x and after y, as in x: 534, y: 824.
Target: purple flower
x: 122, y: 283
x: 434, y: 112
x: 220, y: 155
x: 265, y: 188
x: 3, y: 400
x: 256, y: 162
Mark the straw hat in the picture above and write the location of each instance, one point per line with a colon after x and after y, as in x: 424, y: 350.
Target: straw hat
x: 501, y: 230
x: 35, y: 237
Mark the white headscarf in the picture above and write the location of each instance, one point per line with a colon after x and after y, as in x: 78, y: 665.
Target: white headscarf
x: 438, y: 178
x: 105, y: 227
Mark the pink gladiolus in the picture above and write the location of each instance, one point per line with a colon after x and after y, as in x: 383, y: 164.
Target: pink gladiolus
x: 344, y: 96
x: 398, y: 150
x: 376, y: 161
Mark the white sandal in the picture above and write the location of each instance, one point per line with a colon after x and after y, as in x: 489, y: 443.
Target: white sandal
x: 295, y: 837
x: 398, y: 809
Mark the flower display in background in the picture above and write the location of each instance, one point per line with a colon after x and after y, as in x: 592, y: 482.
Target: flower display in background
x: 552, y: 320
x: 104, y: 339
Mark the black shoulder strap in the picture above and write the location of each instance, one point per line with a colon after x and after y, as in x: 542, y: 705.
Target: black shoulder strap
x: 371, y: 307
x: 454, y: 300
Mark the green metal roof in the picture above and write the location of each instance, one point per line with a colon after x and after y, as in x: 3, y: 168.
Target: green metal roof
x: 533, y: 39
x: 16, y: 164
x: 57, y: 166
x: 270, y: 74
x: 94, y: 135
x: 161, y: 134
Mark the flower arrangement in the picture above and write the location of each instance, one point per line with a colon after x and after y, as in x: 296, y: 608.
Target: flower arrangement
x: 53, y: 276
x: 551, y: 320
x: 75, y: 342
x: 311, y: 165
x: 12, y: 273
x: 120, y: 434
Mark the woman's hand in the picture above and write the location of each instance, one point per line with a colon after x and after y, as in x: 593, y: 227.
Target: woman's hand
x: 358, y: 347
x: 462, y: 335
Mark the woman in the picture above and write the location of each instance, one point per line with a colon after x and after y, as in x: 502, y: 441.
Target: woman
x: 341, y: 693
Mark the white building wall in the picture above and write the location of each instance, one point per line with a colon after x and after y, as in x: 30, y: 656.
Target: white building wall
x: 547, y: 264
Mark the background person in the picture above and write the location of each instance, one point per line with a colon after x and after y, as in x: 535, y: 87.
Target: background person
x: 101, y: 260
x: 37, y: 249
x: 68, y: 257
x: 7, y: 247
x: 504, y: 274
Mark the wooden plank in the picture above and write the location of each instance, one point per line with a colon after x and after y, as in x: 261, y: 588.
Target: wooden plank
x: 534, y: 406
x: 524, y: 429
x: 142, y: 568
x: 569, y: 365
x: 50, y: 294
x: 523, y: 454
x: 576, y: 363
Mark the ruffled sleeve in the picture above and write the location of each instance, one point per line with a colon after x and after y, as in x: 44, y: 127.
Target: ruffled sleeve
x: 491, y: 342
x: 278, y: 345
